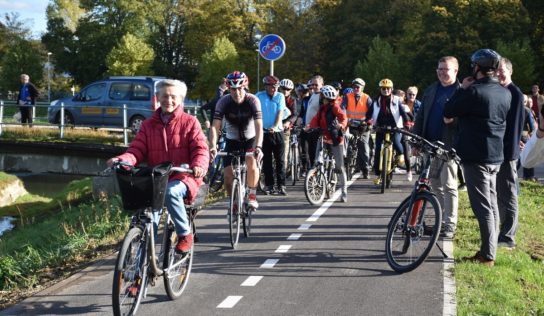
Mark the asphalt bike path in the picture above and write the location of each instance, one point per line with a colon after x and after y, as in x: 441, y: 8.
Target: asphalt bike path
x: 299, y: 260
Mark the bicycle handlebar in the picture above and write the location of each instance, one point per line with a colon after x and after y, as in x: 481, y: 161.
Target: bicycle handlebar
x: 234, y: 153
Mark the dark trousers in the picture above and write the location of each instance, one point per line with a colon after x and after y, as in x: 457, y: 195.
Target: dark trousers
x: 273, y: 146
x: 309, y: 146
x: 26, y: 114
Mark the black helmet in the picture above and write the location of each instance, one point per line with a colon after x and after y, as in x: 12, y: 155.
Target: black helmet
x: 486, y: 58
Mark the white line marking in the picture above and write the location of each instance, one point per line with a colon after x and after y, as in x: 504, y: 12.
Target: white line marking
x: 450, y: 304
x: 229, y: 302
x: 252, y: 280
x: 269, y: 263
x: 304, y: 226
x: 283, y: 248
x: 320, y: 211
x: 294, y: 237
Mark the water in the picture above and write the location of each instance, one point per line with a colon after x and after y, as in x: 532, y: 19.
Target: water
x: 6, y: 224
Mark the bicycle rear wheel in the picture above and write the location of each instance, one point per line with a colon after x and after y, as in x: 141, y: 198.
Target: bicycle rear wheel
x: 385, y: 168
x: 177, y: 266
x: 315, y: 186
x: 295, y: 167
x: 412, y: 232
x: 234, y: 213
x: 130, y: 274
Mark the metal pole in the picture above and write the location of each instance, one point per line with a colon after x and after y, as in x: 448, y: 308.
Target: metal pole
x: 125, y: 125
x: 1, y: 115
x: 271, y: 67
x: 61, y: 120
x: 49, y: 77
x: 258, y: 70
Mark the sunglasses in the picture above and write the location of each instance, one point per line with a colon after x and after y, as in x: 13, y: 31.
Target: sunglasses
x: 387, y: 88
x: 411, y: 94
x: 312, y: 85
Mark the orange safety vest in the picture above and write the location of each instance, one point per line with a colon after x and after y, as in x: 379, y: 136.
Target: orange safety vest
x: 357, y: 110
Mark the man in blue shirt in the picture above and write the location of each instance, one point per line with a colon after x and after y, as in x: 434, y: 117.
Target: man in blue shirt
x: 27, y: 99
x: 274, y: 110
x: 430, y: 124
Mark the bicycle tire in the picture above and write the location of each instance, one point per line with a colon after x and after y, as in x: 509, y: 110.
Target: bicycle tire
x: 384, y: 171
x: 247, y: 221
x: 216, y: 175
x: 332, y: 183
x: 295, y: 166
x: 315, y: 186
x: 261, y: 185
x: 406, y: 250
x: 176, y: 278
x: 130, y: 274
x: 234, y: 213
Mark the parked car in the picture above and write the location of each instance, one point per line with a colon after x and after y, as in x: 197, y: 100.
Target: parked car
x: 100, y: 104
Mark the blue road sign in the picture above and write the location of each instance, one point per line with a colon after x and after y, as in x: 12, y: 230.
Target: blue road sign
x: 272, y: 47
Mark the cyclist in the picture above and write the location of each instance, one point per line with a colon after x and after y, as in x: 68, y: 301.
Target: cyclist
x: 387, y: 111
x: 286, y: 86
x: 356, y: 105
x: 210, y: 106
x: 333, y: 121
x: 242, y: 113
x: 303, y: 96
x: 175, y: 136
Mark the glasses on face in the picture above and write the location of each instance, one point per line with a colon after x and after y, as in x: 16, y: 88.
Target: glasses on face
x: 386, y: 88
x: 312, y: 85
x: 275, y: 86
x: 356, y: 87
x: 443, y: 69
x: 411, y: 94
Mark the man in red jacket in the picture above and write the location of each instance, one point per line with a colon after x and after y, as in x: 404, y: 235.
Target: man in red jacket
x: 175, y: 136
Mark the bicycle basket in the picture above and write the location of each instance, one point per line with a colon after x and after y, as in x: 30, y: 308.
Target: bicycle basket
x: 143, y: 187
x: 436, y: 168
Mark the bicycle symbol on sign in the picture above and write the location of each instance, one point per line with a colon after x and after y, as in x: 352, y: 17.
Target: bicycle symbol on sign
x: 276, y: 49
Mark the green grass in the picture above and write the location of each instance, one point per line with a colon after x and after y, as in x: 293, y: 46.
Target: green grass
x: 82, y: 136
x: 515, y: 285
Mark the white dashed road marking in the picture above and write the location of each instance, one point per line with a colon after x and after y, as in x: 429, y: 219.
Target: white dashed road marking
x: 283, y: 248
x: 229, y: 302
x: 304, y: 226
x: 269, y: 263
x: 294, y: 237
x: 252, y: 280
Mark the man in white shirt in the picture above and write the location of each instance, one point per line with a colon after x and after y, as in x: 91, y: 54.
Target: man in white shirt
x: 533, y: 152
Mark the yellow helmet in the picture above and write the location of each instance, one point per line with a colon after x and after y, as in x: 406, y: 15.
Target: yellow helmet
x: 386, y: 83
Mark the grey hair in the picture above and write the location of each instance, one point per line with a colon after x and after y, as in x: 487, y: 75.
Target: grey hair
x: 25, y: 76
x: 172, y: 83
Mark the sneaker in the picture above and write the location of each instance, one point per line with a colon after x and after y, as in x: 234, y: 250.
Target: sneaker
x: 409, y: 176
x: 252, y: 201
x: 365, y: 174
x: 344, y: 196
x: 282, y: 190
x: 477, y: 258
x: 447, y: 232
x: 378, y: 180
x: 507, y: 245
x: 184, y: 243
x: 269, y: 190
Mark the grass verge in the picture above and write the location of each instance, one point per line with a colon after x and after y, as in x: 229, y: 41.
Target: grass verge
x: 514, y: 286
x: 71, y: 135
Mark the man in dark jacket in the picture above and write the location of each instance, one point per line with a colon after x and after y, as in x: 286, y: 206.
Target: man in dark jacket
x: 481, y: 107
x: 431, y: 125
x: 507, y: 195
x: 27, y: 99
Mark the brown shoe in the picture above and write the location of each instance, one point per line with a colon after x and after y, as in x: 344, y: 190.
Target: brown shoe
x: 477, y: 258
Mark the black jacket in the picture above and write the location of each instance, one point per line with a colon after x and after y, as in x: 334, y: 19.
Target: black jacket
x: 481, y: 109
x: 514, y: 124
x: 422, y: 117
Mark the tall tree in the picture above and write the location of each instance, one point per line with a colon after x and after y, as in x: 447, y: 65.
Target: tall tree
x: 131, y: 57
x: 523, y: 58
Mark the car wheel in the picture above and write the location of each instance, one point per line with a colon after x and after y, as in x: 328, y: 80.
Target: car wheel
x: 135, y: 123
x: 68, y: 119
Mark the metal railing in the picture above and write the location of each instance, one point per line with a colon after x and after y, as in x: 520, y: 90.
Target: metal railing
x: 190, y: 109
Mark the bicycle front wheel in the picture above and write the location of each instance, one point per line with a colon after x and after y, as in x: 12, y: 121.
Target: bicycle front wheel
x: 130, y: 275
x: 247, y: 221
x: 412, y: 232
x: 234, y: 212
x: 177, y: 266
x: 385, y: 168
x: 216, y: 175
x: 294, y: 164
x: 315, y: 186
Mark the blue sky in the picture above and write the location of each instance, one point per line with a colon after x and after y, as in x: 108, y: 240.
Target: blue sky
x: 31, y: 13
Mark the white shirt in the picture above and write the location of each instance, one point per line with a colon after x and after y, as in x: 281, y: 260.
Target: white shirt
x: 533, y: 152
x: 313, y: 107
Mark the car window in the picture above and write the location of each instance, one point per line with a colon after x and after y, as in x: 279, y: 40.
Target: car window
x: 141, y: 92
x: 120, y: 91
x: 93, y: 92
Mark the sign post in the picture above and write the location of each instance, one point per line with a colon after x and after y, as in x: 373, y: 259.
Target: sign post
x: 272, y: 47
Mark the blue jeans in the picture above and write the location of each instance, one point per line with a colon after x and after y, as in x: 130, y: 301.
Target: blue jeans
x: 175, y: 192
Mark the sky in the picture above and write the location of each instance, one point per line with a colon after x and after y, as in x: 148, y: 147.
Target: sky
x: 31, y: 13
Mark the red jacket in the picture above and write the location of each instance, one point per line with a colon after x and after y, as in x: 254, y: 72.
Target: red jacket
x: 179, y: 141
x: 320, y: 121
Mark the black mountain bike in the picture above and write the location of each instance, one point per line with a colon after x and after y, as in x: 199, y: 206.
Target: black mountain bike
x: 415, y: 226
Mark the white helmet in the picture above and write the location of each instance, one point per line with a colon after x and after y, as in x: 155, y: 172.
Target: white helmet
x: 287, y: 84
x: 329, y: 92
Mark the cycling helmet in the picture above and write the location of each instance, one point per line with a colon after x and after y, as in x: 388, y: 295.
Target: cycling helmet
x: 287, y: 84
x: 337, y: 85
x: 237, y: 79
x: 347, y: 90
x: 302, y: 87
x: 358, y: 81
x: 486, y: 58
x: 329, y: 92
x: 271, y: 80
x: 386, y: 83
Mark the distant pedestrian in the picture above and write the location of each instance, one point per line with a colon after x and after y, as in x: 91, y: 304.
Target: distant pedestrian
x: 27, y: 99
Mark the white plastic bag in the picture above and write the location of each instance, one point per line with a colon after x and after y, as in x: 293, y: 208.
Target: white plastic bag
x: 17, y: 117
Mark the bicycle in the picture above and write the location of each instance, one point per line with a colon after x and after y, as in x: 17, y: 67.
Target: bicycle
x: 387, y: 162
x: 293, y: 158
x: 215, y: 176
x: 321, y: 180
x: 358, y: 126
x: 415, y: 225
x: 239, y: 210
x: 148, y: 252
